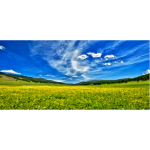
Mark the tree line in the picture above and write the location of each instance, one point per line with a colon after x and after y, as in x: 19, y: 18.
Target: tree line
x: 140, y: 78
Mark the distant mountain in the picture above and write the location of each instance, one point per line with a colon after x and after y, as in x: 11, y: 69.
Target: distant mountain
x: 87, y: 82
x: 93, y: 81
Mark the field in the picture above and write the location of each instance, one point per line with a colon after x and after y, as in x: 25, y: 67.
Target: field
x: 20, y: 95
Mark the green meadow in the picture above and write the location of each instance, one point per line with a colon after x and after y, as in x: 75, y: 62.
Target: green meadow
x: 21, y: 95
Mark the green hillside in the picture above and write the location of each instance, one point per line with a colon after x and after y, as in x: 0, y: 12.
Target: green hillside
x: 99, y: 82
x: 6, y: 80
x: 19, y: 79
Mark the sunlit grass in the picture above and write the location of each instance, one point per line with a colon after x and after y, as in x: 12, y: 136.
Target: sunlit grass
x: 133, y: 95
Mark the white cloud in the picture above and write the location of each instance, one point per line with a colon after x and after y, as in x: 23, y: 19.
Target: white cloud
x: 147, y: 71
x: 107, y: 63
x: 10, y: 71
x: 2, y: 47
x: 70, y: 78
x: 82, y: 57
x: 109, y: 56
x: 95, y: 55
x: 40, y: 75
x: 121, y: 61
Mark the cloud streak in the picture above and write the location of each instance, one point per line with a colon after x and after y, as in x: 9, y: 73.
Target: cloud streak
x: 57, y: 80
x: 10, y: 71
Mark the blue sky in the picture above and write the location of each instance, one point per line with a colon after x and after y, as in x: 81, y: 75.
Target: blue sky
x: 75, y: 61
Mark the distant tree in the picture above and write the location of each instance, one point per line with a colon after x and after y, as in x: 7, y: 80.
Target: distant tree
x: 146, y: 78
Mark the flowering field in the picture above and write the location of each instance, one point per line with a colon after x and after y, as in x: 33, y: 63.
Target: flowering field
x: 132, y: 95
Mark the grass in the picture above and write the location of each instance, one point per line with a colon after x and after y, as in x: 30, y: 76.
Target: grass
x: 22, y: 95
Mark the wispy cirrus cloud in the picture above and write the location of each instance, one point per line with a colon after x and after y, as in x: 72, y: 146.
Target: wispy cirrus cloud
x: 135, y: 55
x: 63, y: 55
x: 10, y: 71
x: 112, y: 45
x: 115, y: 44
x: 70, y: 57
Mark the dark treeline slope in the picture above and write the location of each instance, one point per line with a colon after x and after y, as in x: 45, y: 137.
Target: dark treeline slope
x: 142, y: 78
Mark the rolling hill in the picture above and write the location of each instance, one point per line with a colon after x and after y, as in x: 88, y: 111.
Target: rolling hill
x: 18, y: 78
x: 125, y: 80
x: 24, y: 79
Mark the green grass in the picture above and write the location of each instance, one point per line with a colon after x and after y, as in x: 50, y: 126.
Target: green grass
x: 23, y: 95
x: 132, y: 84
